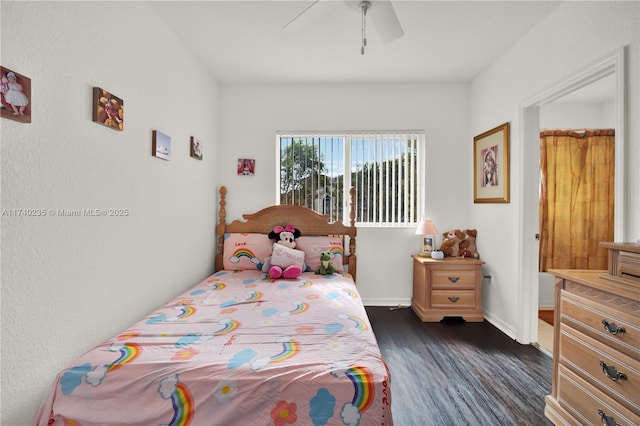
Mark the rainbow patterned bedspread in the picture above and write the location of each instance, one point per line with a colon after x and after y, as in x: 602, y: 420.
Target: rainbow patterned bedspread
x: 236, y: 349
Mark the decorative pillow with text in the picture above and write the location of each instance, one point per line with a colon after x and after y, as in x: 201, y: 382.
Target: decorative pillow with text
x: 245, y: 251
x: 314, y: 245
x: 284, y: 256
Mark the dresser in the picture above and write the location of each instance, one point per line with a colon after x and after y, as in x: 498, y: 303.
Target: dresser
x: 596, y: 364
x: 447, y: 287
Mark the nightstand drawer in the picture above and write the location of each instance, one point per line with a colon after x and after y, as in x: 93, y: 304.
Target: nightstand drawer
x: 591, y: 358
x: 459, y: 278
x: 587, y: 404
x: 453, y: 299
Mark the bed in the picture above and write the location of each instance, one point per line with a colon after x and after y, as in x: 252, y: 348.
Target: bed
x: 239, y: 348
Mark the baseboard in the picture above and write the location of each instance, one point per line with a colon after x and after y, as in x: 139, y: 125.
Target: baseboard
x: 500, y: 325
x: 386, y: 302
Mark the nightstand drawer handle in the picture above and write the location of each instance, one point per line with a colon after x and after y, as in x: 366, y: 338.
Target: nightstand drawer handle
x: 607, y: 420
x: 454, y: 279
x: 612, y: 327
x: 453, y: 299
x: 611, y: 372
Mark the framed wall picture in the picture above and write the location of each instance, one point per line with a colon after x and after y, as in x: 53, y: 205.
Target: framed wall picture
x: 161, y: 146
x: 196, y: 148
x: 246, y: 167
x: 108, y: 109
x: 491, y: 166
x: 15, y: 96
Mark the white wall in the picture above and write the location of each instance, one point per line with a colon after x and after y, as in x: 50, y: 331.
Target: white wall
x: 578, y: 115
x: 68, y: 283
x: 572, y: 36
x: 250, y: 115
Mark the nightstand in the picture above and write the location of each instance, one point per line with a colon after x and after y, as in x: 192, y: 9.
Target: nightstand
x: 448, y: 287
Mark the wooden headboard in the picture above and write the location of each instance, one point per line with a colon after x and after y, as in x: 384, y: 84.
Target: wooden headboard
x: 306, y: 220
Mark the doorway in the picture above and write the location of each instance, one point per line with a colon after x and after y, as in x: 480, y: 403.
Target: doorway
x: 533, y: 111
x: 576, y: 202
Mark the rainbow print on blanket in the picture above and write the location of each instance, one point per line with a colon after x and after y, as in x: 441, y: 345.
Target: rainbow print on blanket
x: 181, y: 400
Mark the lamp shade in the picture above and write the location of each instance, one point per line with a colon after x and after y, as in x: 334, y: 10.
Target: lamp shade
x: 426, y: 227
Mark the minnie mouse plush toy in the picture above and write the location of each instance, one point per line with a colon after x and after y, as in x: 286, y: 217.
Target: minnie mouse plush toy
x: 285, y: 261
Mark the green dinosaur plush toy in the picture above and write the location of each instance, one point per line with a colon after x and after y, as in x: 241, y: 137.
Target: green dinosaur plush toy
x: 325, y: 264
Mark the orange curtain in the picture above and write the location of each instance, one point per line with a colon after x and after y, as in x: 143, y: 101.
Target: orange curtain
x: 576, y: 198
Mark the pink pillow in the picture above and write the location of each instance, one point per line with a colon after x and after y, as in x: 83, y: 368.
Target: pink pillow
x: 313, y: 246
x: 245, y: 251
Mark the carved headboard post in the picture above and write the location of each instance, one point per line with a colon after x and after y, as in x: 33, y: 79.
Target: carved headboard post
x: 220, y: 228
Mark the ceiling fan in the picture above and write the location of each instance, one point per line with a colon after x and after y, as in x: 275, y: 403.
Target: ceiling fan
x: 381, y: 12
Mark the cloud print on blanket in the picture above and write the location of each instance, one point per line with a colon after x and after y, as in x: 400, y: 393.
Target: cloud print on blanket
x: 290, y: 348
x: 94, y: 375
x: 184, y: 311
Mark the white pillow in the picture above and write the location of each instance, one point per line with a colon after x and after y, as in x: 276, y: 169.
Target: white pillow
x: 284, y: 256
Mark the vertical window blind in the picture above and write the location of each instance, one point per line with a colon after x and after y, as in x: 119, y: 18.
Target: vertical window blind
x: 316, y: 170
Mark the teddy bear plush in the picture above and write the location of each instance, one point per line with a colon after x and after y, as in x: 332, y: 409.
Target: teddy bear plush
x: 468, y: 245
x: 325, y: 264
x: 285, y: 261
x: 451, y: 242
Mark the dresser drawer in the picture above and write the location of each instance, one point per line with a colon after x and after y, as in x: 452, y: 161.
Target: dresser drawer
x: 587, y: 314
x: 585, y: 403
x: 449, y: 278
x: 589, y: 358
x: 453, y: 299
x: 628, y: 265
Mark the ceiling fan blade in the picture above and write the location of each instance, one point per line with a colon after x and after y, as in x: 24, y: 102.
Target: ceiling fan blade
x: 314, y: 12
x: 385, y: 20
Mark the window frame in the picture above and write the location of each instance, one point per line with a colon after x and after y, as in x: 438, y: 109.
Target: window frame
x: 348, y: 136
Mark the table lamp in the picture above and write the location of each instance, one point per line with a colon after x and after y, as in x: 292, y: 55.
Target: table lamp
x: 428, y: 232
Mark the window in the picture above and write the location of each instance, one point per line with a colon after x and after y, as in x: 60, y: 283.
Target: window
x: 386, y: 168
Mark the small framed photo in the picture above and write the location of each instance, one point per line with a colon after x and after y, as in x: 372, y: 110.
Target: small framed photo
x: 246, y: 167
x: 427, y: 244
x: 108, y: 109
x: 491, y: 166
x: 196, y: 148
x: 161, y: 146
x: 15, y: 96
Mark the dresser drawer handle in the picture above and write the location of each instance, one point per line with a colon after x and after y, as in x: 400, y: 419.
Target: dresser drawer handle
x: 454, y: 279
x: 611, y: 372
x: 612, y: 328
x: 453, y: 299
x: 607, y: 420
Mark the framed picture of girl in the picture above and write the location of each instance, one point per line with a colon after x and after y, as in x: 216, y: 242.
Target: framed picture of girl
x: 246, y: 167
x: 108, y: 109
x: 491, y: 166
x: 196, y: 148
x: 15, y: 96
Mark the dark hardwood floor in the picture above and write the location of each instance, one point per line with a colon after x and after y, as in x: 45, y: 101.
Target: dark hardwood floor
x: 458, y: 373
